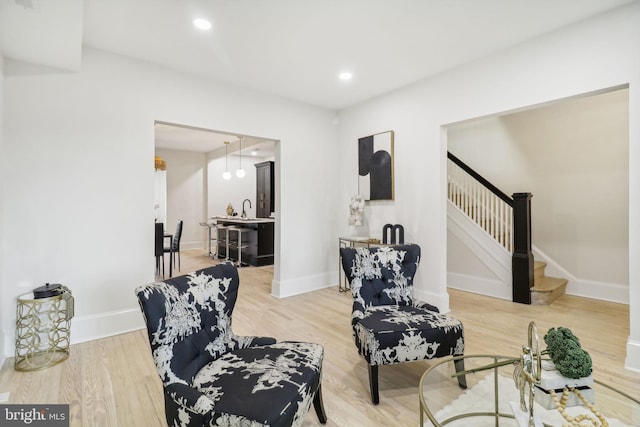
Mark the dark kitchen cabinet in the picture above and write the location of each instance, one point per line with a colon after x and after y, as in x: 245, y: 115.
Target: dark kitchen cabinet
x: 265, y: 186
x: 257, y: 244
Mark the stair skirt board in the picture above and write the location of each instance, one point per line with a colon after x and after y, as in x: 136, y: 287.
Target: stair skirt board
x: 480, y: 285
x: 488, y: 251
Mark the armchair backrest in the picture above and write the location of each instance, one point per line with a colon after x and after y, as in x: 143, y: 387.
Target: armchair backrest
x: 380, y: 275
x: 189, y: 320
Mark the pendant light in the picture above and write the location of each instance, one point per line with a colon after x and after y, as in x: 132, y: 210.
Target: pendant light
x: 226, y: 174
x: 240, y: 172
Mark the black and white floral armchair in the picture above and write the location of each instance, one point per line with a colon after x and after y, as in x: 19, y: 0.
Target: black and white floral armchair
x: 389, y: 325
x: 212, y: 377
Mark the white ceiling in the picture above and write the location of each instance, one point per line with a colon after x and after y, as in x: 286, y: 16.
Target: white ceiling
x: 290, y: 48
x: 297, y: 48
x: 176, y: 137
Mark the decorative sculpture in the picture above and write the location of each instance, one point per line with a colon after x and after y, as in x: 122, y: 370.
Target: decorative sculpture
x: 356, y: 210
x: 527, y: 372
x: 393, y: 230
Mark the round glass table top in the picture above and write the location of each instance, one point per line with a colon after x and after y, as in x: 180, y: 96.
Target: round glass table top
x: 492, y: 399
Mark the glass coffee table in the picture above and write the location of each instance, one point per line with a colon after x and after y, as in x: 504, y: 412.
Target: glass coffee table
x: 491, y: 394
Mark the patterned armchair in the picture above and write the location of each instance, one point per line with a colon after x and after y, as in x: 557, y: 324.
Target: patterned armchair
x: 389, y: 325
x: 212, y: 377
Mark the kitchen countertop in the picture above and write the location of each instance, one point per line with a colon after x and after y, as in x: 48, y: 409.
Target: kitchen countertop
x: 240, y: 220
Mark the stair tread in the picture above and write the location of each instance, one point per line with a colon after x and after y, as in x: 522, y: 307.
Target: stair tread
x: 549, y: 284
x: 539, y: 264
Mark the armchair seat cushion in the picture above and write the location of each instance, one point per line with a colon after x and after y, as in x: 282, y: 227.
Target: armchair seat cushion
x: 390, y: 334
x: 279, y: 380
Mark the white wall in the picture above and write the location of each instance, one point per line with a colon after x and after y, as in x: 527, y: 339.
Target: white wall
x: 2, y: 163
x: 186, y: 194
x: 592, y: 55
x: 573, y: 157
x: 160, y: 193
x: 79, y: 147
x: 234, y: 191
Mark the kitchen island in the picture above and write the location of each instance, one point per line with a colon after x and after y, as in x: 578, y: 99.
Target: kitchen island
x: 255, y: 245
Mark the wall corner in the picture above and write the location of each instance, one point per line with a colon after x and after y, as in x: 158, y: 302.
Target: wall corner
x: 632, y: 362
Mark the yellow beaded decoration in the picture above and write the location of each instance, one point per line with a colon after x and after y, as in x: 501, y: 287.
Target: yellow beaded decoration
x: 582, y: 420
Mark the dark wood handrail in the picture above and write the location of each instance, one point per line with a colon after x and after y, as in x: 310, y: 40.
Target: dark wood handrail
x: 495, y: 190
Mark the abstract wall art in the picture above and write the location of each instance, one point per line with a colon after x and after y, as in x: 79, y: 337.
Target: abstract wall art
x: 375, y: 166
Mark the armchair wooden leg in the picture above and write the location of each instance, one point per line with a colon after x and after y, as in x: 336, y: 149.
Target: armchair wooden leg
x: 373, y: 383
x: 462, y: 379
x: 319, y: 405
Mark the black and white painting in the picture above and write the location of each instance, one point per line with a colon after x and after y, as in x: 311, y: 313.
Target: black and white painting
x: 375, y: 166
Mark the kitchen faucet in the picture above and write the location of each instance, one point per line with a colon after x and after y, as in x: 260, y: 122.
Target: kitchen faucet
x: 244, y: 212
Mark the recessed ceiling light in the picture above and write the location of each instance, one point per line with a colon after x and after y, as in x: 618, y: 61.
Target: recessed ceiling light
x: 202, y: 24
x: 345, y: 76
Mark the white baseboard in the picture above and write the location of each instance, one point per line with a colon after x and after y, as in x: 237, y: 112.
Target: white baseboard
x: 195, y: 245
x: 480, y: 285
x: 93, y: 327
x: 88, y: 328
x: 632, y: 362
x: 301, y: 285
x: 598, y: 290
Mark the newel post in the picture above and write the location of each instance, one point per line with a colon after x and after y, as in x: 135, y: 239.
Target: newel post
x: 522, y: 260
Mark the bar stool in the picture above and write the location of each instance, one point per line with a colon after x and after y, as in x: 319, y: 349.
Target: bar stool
x: 239, y: 246
x: 223, y: 229
x: 209, y: 227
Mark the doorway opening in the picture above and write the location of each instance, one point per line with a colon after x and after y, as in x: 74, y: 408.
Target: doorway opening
x: 572, y: 156
x: 192, y: 188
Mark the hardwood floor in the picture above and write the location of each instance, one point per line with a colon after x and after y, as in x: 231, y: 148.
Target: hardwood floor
x: 113, y: 381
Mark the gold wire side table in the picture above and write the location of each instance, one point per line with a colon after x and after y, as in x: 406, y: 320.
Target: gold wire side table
x: 43, y: 329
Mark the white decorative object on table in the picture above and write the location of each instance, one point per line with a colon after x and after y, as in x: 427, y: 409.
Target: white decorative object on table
x: 356, y: 210
x: 552, y: 380
x: 356, y: 215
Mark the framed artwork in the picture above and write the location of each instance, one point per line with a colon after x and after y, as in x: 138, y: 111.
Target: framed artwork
x: 375, y: 166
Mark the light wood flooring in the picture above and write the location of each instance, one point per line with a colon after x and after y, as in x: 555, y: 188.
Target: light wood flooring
x: 113, y: 381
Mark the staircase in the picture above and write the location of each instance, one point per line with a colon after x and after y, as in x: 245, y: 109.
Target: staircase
x: 497, y: 215
x: 546, y: 289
